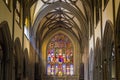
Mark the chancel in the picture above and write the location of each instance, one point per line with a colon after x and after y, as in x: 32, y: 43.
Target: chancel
x: 59, y: 39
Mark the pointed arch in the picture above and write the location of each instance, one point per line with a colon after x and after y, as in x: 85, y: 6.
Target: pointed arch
x: 74, y: 41
x: 6, y: 51
x: 107, y: 47
x: 60, y: 55
x: 79, y: 15
x: 18, y: 59
x: 117, y: 43
x: 108, y: 38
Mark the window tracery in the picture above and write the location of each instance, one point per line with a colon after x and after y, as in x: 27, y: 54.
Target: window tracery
x: 60, y: 56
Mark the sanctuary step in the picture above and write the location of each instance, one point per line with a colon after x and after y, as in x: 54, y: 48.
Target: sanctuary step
x: 61, y: 78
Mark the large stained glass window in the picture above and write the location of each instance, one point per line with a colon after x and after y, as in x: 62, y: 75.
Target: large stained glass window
x: 60, y: 56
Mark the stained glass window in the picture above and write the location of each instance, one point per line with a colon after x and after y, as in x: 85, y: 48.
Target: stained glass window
x: 60, y: 56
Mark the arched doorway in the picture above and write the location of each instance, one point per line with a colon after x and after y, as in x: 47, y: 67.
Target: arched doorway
x: 5, y: 52
x: 107, y: 49
x: 18, y: 60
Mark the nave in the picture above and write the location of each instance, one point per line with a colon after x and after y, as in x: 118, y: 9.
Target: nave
x: 59, y: 39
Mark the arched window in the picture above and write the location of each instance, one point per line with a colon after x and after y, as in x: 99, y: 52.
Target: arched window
x: 60, y: 56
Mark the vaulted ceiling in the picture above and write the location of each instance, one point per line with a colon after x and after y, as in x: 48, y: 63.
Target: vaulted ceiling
x: 71, y: 15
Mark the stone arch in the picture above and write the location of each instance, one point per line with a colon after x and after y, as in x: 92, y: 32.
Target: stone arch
x: 18, y: 59
x: 98, y: 61
x: 107, y: 50
x: 108, y: 36
x: 73, y: 40
x: 79, y: 15
x: 117, y: 44
x: 6, y: 51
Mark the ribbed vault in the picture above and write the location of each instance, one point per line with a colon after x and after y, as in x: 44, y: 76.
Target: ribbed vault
x: 70, y: 15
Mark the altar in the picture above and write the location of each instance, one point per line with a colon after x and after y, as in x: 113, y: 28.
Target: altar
x: 61, y: 78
